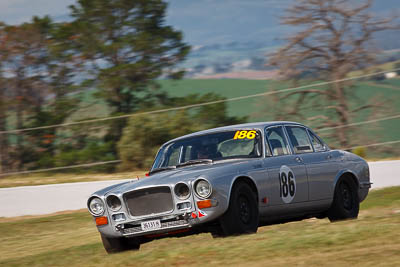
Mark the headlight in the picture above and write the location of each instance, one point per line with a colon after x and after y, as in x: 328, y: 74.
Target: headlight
x: 203, y: 188
x: 114, y: 203
x: 96, y: 206
x: 182, y: 191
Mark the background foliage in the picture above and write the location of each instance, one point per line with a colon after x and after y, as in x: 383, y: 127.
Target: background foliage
x: 120, y: 57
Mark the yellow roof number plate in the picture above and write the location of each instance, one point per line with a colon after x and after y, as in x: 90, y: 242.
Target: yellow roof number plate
x: 245, y: 134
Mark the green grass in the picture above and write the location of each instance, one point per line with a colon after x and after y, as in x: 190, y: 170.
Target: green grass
x: 382, y: 198
x: 72, y: 240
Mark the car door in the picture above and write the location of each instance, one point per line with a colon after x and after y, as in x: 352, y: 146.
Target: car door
x: 287, y: 177
x: 322, y: 166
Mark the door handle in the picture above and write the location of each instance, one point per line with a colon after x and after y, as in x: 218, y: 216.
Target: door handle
x: 329, y: 156
x: 298, y: 159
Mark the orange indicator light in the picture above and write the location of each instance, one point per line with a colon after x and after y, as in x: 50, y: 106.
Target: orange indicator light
x: 203, y: 204
x: 101, y: 221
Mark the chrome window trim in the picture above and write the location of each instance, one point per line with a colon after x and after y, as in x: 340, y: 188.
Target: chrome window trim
x: 180, y: 155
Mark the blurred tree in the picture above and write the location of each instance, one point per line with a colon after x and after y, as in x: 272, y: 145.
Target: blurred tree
x: 125, y: 45
x: 37, y: 79
x: 59, y: 71
x: 21, y: 51
x: 335, y: 38
x: 3, y: 124
x: 3, y: 110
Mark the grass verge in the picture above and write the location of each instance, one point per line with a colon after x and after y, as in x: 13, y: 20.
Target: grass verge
x: 72, y: 240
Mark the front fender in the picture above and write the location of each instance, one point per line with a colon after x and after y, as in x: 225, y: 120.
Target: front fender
x: 222, y: 189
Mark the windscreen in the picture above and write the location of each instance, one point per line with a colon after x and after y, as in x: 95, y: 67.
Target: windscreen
x: 213, y: 146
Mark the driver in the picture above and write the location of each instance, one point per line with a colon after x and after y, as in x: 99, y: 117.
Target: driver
x: 204, y: 152
x: 208, y: 152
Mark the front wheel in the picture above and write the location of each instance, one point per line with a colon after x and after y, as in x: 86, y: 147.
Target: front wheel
x: 119, y: 244
x: 346, y: 204
x: 242, y: 214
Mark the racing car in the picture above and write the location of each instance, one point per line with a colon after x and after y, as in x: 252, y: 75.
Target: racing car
x: 229, y: 181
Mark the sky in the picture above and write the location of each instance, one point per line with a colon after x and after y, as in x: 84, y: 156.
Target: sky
x: 203, y: 22
x: 19, y: 11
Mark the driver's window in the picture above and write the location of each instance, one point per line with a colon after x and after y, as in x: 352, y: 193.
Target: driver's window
x: 173, y: 159
x: 187, y: 153
x: 277, y: 141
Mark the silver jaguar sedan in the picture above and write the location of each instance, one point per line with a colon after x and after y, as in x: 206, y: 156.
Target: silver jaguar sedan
x: 229, y: 181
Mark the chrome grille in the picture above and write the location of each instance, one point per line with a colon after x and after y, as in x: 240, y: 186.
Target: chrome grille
x: 149, y: 201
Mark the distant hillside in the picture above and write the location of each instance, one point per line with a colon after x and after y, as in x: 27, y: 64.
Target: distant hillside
x: 235, y: 35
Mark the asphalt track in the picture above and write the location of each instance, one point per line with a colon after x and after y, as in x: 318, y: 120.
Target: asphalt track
x: 46, y: 199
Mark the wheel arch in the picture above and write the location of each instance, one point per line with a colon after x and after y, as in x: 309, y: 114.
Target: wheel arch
x: 347, y: 173
x: 245, y: 179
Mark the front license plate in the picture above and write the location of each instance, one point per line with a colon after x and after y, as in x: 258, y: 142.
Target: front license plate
x: 151, y: 225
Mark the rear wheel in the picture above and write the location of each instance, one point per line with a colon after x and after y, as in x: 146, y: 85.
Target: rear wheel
x: 242, y: 214
x: 346, y: 204
x: 119, y: 244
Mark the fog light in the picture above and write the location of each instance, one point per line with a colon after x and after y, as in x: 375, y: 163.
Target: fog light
x: 118, y: 217
x: 184, y: 206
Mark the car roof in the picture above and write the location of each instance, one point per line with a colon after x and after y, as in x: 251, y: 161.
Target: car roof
x: 253, y: 125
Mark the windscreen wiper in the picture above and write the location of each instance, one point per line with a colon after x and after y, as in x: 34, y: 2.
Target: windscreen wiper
x: 194, y: 161
x: 162, y: 169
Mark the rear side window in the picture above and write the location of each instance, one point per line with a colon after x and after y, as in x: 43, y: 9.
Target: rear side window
x: 277, y: 141
x: 299, y: 138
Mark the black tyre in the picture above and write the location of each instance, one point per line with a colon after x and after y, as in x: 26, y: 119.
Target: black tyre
x: 115, y: 245
x: 242, y: 214
x: 346, y: 204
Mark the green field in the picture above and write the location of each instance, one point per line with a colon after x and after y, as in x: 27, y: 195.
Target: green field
x: 72, y: 240
x: 254, y: 108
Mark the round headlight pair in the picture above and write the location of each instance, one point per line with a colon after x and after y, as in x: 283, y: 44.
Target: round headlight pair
x: 96, y: 206
x: 202, y: 188
x: 182, y: 191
